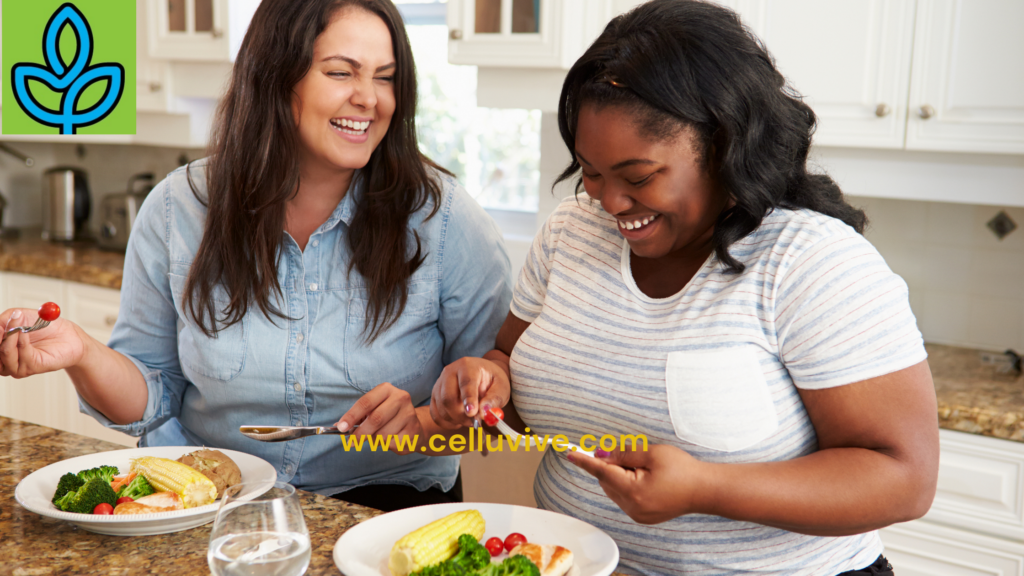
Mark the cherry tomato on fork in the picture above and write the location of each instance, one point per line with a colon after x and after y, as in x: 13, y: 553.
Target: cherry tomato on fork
x: 494, y: 545
x: 492, y: 416
x: 514, y: 539
x: 49, y: 311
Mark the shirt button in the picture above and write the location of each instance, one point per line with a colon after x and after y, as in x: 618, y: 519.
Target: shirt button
x: 288, y: 469
x: 300, y: 338
x: 298, y: 387
x: 313, y: 286
x: 316, y: 243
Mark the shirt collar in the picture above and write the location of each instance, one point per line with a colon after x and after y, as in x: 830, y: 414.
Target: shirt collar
x: 346, y: 209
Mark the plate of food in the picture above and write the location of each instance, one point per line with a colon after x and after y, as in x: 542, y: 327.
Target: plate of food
x: 141, y: 491
x: 475, y: 539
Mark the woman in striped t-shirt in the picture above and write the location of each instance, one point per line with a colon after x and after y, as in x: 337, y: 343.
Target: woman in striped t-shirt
x: 711, y: 294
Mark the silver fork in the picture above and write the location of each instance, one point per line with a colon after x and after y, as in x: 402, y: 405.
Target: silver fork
x: 39, y: 325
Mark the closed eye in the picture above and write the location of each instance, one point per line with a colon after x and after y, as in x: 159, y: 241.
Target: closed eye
x: 339, y: 74
x: 641, y: 181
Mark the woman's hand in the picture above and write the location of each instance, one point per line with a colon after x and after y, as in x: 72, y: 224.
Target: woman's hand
x: 384, y: 411
x: 651, y: 486
x: 465, y: 388
x: 59, y: 345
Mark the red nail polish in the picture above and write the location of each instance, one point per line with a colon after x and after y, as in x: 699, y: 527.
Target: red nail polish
x: 601, y: 453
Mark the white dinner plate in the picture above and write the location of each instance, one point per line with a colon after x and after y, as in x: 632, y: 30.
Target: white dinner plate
x: 35, y: 491
x: 364, y: 549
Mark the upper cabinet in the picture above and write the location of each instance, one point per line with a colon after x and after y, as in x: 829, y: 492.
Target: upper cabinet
x: 920, y: 75
x: 526, y: 33
x: 203, y: 30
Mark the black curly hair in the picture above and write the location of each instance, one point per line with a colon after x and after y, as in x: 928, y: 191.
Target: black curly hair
x: 685, y: 64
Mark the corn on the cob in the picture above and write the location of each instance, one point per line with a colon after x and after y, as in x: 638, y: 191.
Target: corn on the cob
x: 434, y: 543
x: 167, y: 475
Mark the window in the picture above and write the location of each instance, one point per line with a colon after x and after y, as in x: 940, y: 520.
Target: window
x: 495, y: 153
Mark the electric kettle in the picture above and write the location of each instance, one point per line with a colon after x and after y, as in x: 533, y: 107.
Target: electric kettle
x: 66, y: 203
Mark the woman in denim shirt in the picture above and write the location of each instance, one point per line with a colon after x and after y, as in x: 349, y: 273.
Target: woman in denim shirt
x: 315, y: 269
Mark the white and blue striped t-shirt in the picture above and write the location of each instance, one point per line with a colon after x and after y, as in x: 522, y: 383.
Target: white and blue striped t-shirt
x: 713, y: 370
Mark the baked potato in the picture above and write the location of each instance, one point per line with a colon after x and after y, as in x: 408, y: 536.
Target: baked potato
x: 215, y: 465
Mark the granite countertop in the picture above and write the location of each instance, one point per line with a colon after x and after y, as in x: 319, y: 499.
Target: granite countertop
x: 32, y: 545
x: 76, y: 261
x: 972, y: 396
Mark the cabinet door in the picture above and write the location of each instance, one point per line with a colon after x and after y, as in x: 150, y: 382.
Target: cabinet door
x: 519, y: 33
x: 967, y: 87
x: 40, y: 399
x: 95, y: 311
x: 921, y: 549
x: 150, y: 74
x: 850, y: 60
x: 206, y: 30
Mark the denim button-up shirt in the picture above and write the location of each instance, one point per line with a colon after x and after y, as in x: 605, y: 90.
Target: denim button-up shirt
x: 310, y: 370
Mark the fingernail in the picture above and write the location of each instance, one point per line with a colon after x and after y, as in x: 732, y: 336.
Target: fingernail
x: 342, y: 426
x: 469, y: 408
x: 601, y: 453
x: 571, y: 458
x: 16, y: 314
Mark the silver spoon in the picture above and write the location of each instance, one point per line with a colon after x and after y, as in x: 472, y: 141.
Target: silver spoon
x: 39, y: 325
x: 285, y: 433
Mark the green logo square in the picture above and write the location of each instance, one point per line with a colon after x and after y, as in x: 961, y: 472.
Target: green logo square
x: 68, y: 67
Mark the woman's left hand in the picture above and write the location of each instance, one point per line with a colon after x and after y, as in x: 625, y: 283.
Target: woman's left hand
x: 384, y: 411
x: 651, y: 486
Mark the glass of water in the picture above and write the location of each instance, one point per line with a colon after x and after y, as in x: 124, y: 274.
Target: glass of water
x: 259, y: 533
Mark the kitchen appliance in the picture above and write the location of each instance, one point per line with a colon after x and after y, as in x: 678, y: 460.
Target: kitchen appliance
x: 66, y: 203
x: 118, y: 212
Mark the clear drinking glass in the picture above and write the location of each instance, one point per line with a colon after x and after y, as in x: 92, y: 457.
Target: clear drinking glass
x: 259, y: 535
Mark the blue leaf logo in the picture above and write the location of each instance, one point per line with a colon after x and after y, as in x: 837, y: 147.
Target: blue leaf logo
x: 70, y: 80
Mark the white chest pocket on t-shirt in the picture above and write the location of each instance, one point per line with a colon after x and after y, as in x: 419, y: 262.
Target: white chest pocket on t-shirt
x: 718, y: 399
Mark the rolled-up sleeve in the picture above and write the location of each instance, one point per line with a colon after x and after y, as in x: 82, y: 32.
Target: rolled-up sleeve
x: 476, y: 281
x: 147, y: 323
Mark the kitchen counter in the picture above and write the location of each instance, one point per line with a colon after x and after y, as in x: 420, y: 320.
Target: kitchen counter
x: 76, y: 261
x: 32, y: 545
x: 972, y: 396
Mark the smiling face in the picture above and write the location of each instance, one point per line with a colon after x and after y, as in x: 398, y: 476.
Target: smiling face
x: 344, y: 103
x: 664, y: 201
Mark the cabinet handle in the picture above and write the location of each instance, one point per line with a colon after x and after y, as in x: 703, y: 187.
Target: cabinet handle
x: 155, y: 87
x: 110, y: 320
x: 926, y: 112
x: 455, y: 34
x: 882, y: 110
x: 216, y: 33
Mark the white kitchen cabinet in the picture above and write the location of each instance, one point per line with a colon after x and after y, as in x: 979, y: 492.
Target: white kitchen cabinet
x: 967, y: 86
x: 914, y: 74
x: 526, y: 33
x: 976, y: 523
x: 204, y: 30
x: 50, y: 399
x: 851, y: 61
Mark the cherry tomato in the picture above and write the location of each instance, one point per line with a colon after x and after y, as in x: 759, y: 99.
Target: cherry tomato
x: 514, y: 539
x: 494, y: 545
x: 493, y: 415
x: 49, y: 311
x: 124, y: 499
x: 103, y: 508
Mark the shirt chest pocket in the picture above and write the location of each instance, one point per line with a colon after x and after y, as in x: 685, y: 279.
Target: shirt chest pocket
x: 399, y: 354
x: 719, y: 399
x: 221, y: 357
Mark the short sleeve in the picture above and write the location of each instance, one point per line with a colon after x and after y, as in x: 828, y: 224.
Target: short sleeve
x: 531, y: 287
x: 842, y: 316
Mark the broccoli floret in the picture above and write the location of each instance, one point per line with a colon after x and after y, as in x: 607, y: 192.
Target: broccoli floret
x: 511, y: 566
x: 67, y: 483
x: 472, y: 555
x: 105, y: 472
x: 136, y: 489
x: 95, y: 491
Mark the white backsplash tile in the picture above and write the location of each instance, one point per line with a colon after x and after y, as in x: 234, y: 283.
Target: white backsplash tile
x: 966, y: 285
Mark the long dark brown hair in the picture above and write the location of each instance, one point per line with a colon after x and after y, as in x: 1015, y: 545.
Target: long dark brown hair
x: 253, y: 170
x: 689, y: 64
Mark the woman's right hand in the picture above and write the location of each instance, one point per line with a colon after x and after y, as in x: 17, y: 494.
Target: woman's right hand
x: 59, y: 345
x: 465, y: 388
